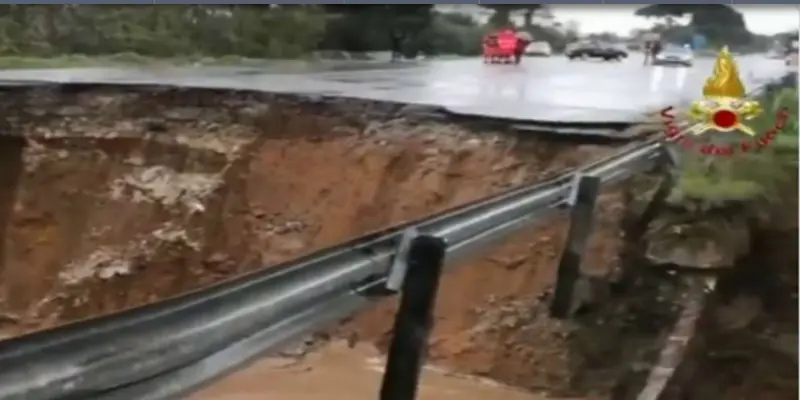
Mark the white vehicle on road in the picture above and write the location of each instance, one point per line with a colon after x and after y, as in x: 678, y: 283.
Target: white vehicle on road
x: 791, y: 60
x: 675, y: 55
x: 540, y: 48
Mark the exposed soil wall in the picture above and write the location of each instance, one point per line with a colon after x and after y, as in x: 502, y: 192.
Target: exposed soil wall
x: 491, y: 318
x: 124, y: 197
x: 491, y: 313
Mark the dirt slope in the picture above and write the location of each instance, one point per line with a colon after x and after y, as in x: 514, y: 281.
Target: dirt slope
x: 122, y: 198
x: 491, y: 321
x: 126, y: 197
x: 491, y: 313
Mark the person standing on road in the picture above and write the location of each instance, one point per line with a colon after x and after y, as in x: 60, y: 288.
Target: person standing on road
x: 519, y: 50
x: 656, y: 50
x: 651, y: 49
x: 396, y: 45
x: 651, y: 42
x: 648, y: 45
x: 523, y: 40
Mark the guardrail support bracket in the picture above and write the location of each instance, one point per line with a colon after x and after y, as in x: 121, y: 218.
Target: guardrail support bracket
x: 399, y: 268
x: 583, y: 200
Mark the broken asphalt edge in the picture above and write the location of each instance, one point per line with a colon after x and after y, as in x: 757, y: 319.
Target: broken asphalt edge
x: 614, y: 130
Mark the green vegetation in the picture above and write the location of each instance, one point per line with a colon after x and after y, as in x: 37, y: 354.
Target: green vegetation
x: 502, y: 14
x: 557, y: 38
x: 75, y: 35
x: 720, y: 24
x: 718, y: 205
x: 133, y: 59
x: 374, y: 27
x: 754, y: 176
x: 451, y: 34
x: 161, y: 31
x: 70, y: 35
x: 786, y: 143
x: 120, y: 59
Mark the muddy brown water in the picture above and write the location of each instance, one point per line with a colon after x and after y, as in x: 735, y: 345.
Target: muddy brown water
x: 339, y: 372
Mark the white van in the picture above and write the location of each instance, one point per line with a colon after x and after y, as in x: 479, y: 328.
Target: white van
x: 541, y: 48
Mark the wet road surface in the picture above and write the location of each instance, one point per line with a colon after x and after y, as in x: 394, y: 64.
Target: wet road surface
x: 541, y: 89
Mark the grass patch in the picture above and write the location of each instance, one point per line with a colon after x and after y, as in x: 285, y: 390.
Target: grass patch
x: 130, y: 59
x: 744, y: 177
x: 126, y: 59
x: 70, y: 61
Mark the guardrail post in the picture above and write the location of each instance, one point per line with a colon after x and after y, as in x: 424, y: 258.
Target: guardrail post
x: 585, y: 191
x: 414, y: 318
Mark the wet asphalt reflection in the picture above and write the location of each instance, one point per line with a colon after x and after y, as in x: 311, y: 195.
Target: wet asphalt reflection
x: 541, y: 89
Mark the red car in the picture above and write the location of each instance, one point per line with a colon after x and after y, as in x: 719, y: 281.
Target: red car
x: 503, y: 47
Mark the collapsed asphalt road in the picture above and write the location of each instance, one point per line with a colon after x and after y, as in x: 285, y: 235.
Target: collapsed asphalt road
x: 543, y: 89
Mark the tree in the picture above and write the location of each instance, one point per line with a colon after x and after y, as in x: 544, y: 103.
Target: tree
x: 452, y: 33
x: 786, y: 38
x: 572, y: 30
x: 502, y: 14
x: 211, y: 31
x: 375, y: 26
x: 531, y: 9
x: 168, y: 30
x: 720, y: 24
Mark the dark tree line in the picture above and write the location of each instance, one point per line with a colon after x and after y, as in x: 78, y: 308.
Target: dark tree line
x: 257, y: 31
x: 159, y: 30
x: 720, y: 24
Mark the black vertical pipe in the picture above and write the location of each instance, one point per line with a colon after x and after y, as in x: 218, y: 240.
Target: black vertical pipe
x: 414, y: 319
x: 580, y: 228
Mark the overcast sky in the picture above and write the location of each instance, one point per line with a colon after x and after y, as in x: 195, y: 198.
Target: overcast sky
x: 763, y: 19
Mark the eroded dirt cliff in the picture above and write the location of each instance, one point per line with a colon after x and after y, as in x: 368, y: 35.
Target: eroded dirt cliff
x: 492, y: 319
x: 124, y: 197
x: 492, y: 314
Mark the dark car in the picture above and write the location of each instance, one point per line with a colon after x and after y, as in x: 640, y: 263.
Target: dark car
x: 595, y: 50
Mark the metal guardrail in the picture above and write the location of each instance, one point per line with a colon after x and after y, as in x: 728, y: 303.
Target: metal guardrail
x: 166, y: 349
